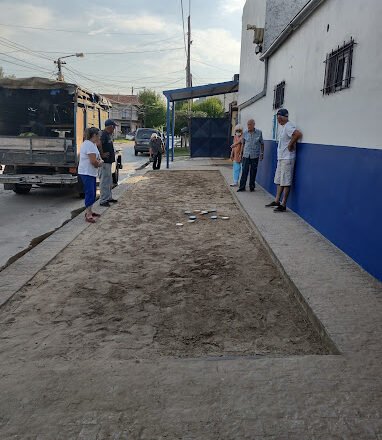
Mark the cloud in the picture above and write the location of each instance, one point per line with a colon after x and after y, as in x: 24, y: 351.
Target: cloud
x: 232, y: 6
x: 25, y: 14
x: 217, y: 46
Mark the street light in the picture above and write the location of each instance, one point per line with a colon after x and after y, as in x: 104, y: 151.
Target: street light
x: 60, y: 76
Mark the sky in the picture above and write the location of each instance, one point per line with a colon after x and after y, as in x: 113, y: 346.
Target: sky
x: 125, y: 43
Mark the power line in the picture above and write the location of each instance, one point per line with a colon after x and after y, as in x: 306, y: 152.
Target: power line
x: 117, y: 53
x: 184, y: 30
x: 211, y: 65
x: 73, y: 30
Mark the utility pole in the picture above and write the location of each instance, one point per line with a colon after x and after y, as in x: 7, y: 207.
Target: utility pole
x: 188, y: 69
x: 59, y: 62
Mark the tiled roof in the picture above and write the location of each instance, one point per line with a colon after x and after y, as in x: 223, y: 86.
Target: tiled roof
x: 123, y: 99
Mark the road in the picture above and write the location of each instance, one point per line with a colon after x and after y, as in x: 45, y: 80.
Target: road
x: 24, y: 219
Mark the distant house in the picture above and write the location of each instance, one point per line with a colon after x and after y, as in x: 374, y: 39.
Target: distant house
x: 322, y: 60
x: 125, y: 112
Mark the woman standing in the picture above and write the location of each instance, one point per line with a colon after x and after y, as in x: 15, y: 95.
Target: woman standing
x: 90, y: 161
x: 236, y: 154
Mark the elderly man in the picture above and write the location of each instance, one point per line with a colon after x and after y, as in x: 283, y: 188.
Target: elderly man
x: 107, y: 152
x: 286, y: 156
x: 253, y: 150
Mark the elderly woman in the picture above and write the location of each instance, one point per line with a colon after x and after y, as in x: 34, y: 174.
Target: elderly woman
x: 90, y: 161
x: 156, y: 150
x: 237, y: 153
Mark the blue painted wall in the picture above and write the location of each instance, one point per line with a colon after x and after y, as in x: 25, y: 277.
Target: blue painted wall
x: 337, y: 190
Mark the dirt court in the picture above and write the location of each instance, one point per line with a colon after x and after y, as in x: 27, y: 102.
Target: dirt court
x: 135, y: 286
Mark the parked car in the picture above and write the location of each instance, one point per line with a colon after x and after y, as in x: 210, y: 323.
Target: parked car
x: 142, y: 139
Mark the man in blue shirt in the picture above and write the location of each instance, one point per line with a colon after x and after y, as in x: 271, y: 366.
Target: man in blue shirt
x: 253, y: 150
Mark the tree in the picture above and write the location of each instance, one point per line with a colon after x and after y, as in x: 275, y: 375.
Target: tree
x: 153, y: 109
x: 213, y: 107
x: 2, y: 75
x: 182, y: 117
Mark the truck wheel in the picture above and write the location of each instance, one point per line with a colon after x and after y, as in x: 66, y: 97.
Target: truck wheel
x: 136, y: 152
x: 22, y: 189
x: 116, y: 176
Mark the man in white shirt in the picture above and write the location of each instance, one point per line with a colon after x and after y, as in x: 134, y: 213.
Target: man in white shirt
x: 286, y: 156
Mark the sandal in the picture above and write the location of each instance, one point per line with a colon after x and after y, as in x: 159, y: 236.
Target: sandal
x: 272, y: 204
x: 95, y: 214
x: 89, y: 219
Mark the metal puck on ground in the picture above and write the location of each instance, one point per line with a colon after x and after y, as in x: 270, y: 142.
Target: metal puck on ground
x: 204, y: 212
x: 191, y: 221
x: 179, y: 224
x: 224, y: 218
x: 213, y: 217
x: 187, y: 212
x: 192, y: 217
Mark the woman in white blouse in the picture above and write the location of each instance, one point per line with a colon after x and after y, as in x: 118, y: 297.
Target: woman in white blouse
x: 90, y: 161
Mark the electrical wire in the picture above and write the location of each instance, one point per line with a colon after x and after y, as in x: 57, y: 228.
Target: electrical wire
x: 184, y: 30
x: 72, y: 30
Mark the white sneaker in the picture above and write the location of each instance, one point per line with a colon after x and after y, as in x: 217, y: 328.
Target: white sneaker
x: 233, y: 184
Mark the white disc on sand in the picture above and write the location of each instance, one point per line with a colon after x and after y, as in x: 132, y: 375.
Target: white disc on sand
x: 214, y: 217
x: 225, y: 218
x: 179, y: 224
x: 191, y: 221
x: 187, y: 212
x: 197, y: 210
x: 212, y: 210
x: 192, y: 217
x: 204, y: 212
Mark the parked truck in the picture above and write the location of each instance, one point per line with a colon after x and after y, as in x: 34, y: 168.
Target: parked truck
x: 42, y: 124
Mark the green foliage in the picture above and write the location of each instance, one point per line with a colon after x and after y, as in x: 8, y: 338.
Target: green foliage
x: 153, y: 109
x: 182, y: 116
x: 212, y: 106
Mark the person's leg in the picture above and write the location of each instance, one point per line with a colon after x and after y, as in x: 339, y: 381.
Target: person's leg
x: 103, y: 184
x: 285, y: 195
x: 89, y: 194
x: 244, y: 174
x: 278, y: 193
x: 159, y: 161
x: 110, y: 180
x: 155, y: 158
x: 253, y: 171
x: 236, y: 172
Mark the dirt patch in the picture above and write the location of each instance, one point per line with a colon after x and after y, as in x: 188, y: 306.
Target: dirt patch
x: 136, y: 286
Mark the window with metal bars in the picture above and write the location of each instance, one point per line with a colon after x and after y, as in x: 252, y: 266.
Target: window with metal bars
x: 278, y: 95
x: 338, y: 68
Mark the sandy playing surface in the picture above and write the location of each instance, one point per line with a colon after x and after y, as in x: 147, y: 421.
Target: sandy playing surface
x: 135, y: 286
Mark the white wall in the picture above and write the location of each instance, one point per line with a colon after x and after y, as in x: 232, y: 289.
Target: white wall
x: 349, y: 117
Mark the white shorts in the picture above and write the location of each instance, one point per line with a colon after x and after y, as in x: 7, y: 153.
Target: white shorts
x: 284, y: 172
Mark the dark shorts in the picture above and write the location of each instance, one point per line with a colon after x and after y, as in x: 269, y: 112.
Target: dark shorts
x: 90, y: 187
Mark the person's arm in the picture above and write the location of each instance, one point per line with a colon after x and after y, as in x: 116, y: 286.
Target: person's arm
x: 261, y: 140
x: 162, y: 144
x: 295, y: 137
x: 94, y: 161
x: 103, y: 154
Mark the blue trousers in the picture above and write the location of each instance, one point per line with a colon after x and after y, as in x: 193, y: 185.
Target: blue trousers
x: 236, y: 172
x: 90, y: 187
x: 249, y: 166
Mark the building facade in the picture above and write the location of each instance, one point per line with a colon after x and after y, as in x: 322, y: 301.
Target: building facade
x: 125, y: 111
x: 321, y: 60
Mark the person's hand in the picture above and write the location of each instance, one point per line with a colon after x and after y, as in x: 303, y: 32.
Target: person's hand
x: 261, y: 156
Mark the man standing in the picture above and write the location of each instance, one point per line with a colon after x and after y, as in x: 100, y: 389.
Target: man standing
x: 286, y: 156
x: 108, y: 156
x: 156, y: 150
x: 253, y: 150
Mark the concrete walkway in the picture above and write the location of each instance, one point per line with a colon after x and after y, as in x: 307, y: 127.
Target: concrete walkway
x: 300, y: 397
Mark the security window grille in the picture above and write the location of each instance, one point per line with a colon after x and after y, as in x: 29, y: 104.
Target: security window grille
x: 338, y: 68
x: 278, y: 95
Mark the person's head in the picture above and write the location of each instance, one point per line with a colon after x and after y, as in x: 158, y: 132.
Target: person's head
x: 282, y: 116
x: 110, y: 126
x: 251, y: 125
x: 92, y: 134
x: 238, y: 130
x: 154, y: 136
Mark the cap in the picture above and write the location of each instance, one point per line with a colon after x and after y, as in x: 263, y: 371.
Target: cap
x: 283, y: 112
x: 110, y: 122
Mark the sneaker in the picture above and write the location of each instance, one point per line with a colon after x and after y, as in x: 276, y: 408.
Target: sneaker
x: 240, y: 190
x: 233, y: 184
x: 105, y: 204
x: 252, y: 189
x: 272, y: 204
x: 113, y: 201
x: 280, y: 208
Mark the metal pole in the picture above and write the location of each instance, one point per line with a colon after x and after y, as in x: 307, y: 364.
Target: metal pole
x: 168, y: 135
x: 173, y: 131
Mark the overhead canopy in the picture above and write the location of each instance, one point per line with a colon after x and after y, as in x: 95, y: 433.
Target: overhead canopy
x: 202, y: 91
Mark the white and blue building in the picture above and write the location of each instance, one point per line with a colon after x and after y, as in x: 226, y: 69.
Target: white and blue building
x: 322, y: 60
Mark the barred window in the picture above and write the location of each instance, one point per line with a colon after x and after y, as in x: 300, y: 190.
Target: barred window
x: 338, y: 68
x: 278, y: 95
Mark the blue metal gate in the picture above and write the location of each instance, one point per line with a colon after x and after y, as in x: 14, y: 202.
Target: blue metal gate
x: 210, y: 137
